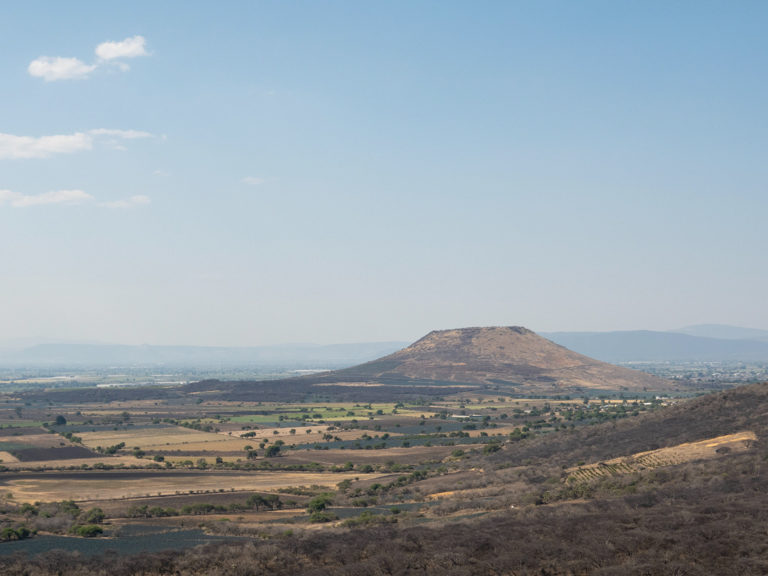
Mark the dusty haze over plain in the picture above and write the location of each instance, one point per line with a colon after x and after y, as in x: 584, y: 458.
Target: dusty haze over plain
x: 255, y: 173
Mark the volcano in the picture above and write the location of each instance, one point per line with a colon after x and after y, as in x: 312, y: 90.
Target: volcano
x: 499, y: 356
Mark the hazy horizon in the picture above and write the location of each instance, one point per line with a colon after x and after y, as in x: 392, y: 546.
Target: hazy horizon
x: 260, y: 173
x: 682, y: 330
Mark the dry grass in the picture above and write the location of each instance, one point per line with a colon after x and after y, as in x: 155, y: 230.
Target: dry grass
x: 6, y: 457
x: 442, y: 495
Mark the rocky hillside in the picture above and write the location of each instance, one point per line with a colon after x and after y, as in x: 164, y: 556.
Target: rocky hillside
x: 505, y: 356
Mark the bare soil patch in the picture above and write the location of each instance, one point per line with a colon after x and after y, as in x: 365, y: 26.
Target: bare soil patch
x: 58, y: 453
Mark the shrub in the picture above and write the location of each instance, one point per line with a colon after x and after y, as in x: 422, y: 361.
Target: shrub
x: 491, y: 447
x: 368, y: 518
x: 87, y: 530
x: 319, y: 503
x: 94, y: 516
x: 322, y: 516
x: 20, y: 533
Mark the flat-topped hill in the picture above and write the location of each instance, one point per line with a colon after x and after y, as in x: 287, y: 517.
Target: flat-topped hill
x: 509, y: 356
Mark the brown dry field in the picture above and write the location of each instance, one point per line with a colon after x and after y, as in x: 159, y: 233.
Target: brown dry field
x: 7, y: 457
x: 40, y: 439
x: 244, y: 519
x: 301, y: 436
x: 413, y: 455
x: 94, y: 486
x: 501, y: 430
x: 170, y: 438
x: 301, y: 432
x: 37, y: 447
x: 117, y: 407
x: 119, y: 508
x: 75, y: 462
x: 338, y: 457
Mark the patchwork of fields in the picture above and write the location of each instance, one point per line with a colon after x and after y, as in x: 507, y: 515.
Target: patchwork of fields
x: 245, y: 465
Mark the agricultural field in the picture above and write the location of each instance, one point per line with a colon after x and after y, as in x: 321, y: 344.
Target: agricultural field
x: 250, y: 465
x: 32, y: 444
x: 95, y: 486
x: 160, y: 437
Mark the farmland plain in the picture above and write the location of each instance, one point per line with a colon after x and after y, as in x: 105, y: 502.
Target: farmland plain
x: 285, y: 474
x: 211, y: 456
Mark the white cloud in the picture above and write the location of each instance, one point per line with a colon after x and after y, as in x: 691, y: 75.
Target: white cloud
x: 24, y: 147
x: 127, y: 134
x: 51, y: 68
x: 65, y: 197
x: 113, y: 137
x: 128, y: 48
x: 139, y: 200
x: 12, y: 146
x: 18, y: 200
x: 253, y: 181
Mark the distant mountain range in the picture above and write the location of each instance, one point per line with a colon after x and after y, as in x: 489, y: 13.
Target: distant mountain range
x: 724, y: 332
x: 702, y: 343
x: 288, y: 355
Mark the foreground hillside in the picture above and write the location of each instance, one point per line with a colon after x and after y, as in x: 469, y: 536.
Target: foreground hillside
x: 520, y: 507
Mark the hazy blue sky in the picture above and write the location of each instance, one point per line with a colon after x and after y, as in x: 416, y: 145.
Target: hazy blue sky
x: 243, y: 173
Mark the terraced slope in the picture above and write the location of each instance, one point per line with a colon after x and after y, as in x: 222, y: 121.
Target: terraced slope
x: 686, y: 452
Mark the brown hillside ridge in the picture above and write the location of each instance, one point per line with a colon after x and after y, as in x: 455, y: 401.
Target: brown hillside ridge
x: 505, y: 355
